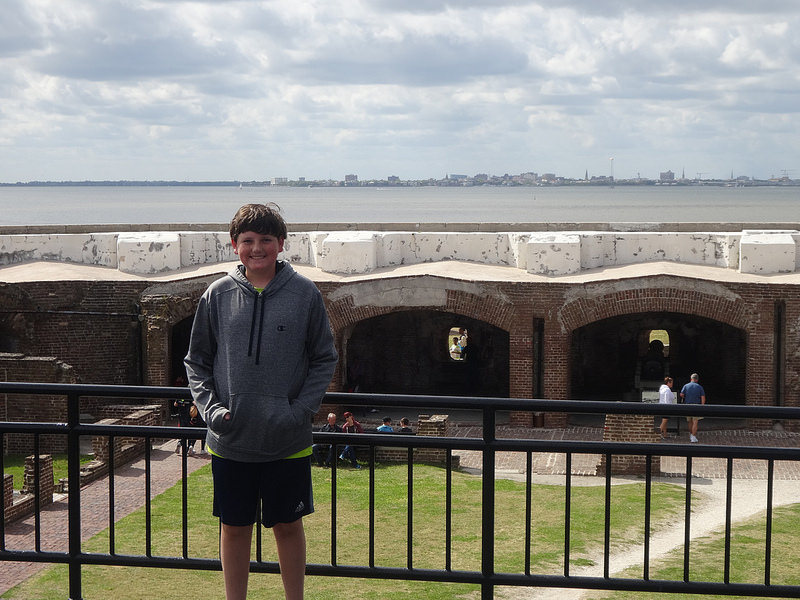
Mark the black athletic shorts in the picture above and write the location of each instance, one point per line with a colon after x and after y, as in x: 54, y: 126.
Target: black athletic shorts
x: 282, y: 486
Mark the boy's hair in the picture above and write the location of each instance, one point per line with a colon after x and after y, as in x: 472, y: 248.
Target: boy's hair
x: 259, y: 218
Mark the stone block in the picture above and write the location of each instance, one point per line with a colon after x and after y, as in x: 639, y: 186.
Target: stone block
x: 487, y: 248
x: 596, y: 248
x: 149, y: 252
x: 203, y: 247
x: 553, y: 254
x: 397, y: 248
x: 765, y: 252
x: 518, y: 244
x: 84, y: 248
x: 297, y: 249
x: 348, y: 252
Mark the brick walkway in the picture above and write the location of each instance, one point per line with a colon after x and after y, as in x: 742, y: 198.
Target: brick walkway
x: 129, y: 495
x: 551, y: 463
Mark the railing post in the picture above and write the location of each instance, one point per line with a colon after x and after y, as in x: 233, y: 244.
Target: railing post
x: 487, y: 533
x: 74, y: 494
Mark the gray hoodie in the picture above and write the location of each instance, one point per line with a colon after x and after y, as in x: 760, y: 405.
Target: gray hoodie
x: 266, y: 358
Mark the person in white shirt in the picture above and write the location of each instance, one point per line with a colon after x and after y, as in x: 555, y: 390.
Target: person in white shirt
x: 665, y: 396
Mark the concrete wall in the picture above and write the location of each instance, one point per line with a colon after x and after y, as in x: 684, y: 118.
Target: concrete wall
x: 553, y: 253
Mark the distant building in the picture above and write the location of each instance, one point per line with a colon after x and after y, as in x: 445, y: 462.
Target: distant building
x: 350, y: 179
x: 455, y: 177
x: 393, y: 179
x: 279, y: 180
x: 667, y: 176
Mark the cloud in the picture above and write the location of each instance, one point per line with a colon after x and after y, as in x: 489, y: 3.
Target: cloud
x: 19, y: 31
x: 281, y: 87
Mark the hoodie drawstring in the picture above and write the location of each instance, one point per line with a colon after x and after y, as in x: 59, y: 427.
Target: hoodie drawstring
x: 260, y: 329
x: 253, y: 327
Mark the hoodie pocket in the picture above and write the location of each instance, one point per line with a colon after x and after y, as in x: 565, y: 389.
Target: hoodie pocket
x: 260, y: 423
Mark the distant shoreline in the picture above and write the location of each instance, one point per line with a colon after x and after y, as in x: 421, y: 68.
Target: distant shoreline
x: 423, y: 183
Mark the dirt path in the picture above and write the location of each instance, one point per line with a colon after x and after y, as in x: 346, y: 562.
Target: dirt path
x: 749, y: 498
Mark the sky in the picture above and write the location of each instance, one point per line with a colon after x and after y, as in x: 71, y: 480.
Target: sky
x: 251, y: 90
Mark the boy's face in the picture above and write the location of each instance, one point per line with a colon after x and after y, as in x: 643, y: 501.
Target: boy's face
x: 258, y: 251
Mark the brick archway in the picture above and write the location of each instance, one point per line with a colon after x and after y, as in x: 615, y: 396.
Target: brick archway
x: 702, y: 299
x: 164, y: 306
x: 345, y: 309
x: 662, y: 294
x: 350, y: 304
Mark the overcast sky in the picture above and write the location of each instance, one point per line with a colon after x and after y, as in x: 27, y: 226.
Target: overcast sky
x: 249, y: 90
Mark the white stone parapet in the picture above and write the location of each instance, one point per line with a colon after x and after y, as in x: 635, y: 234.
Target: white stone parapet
x: 350, y: 252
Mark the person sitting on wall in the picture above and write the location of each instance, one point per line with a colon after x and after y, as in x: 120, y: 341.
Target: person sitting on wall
x: 387, y: 425
x: 350, y: 426
x: 405, y: 426
x: 327, y: 449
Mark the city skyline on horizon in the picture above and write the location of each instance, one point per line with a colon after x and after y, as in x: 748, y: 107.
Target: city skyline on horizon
x: 247, y: 90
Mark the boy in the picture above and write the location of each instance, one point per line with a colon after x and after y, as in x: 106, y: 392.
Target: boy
x: 260, y: 359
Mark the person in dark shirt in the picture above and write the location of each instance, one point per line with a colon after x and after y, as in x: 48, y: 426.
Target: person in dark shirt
x: 693, y: 393
x: 318, y: 450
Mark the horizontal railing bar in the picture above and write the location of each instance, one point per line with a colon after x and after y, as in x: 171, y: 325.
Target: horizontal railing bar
x: 454, y: 443
x: 424, y: 401
x: 86, y: 389
x: 33, y: 556
x: 33, y: 427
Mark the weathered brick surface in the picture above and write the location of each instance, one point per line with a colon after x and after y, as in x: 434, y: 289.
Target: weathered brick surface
x: 629, y: 428
x: 121, y: 332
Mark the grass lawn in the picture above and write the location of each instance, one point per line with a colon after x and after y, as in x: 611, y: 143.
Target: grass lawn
x: 748, y: 543
x: 353, y: 535
x: 15, y: 464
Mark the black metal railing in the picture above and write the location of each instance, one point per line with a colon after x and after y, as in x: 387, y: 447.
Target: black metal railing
x: 489, y: 444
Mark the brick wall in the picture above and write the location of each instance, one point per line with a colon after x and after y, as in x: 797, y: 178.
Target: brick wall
x: 105, y: 342
x: 431, y: 426
x: 35, y: 408
x: 8, y: 490
x: 124, y: 447
x: 25, y: 503
x: 629, y: 428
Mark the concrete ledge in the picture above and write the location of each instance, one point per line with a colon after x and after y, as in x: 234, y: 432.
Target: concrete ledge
x: 556, y: 253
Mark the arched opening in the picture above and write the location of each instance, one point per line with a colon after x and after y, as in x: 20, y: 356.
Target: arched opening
x: 179, y: 346
x: 9, y: 324
x: 406, y: 353
x: 618, y: 358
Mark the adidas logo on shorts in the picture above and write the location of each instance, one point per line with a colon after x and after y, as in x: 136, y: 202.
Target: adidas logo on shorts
x: 300, y: 507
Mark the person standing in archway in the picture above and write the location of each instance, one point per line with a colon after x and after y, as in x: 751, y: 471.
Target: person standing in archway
x: 665, y: 396
x: 693, y: 393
